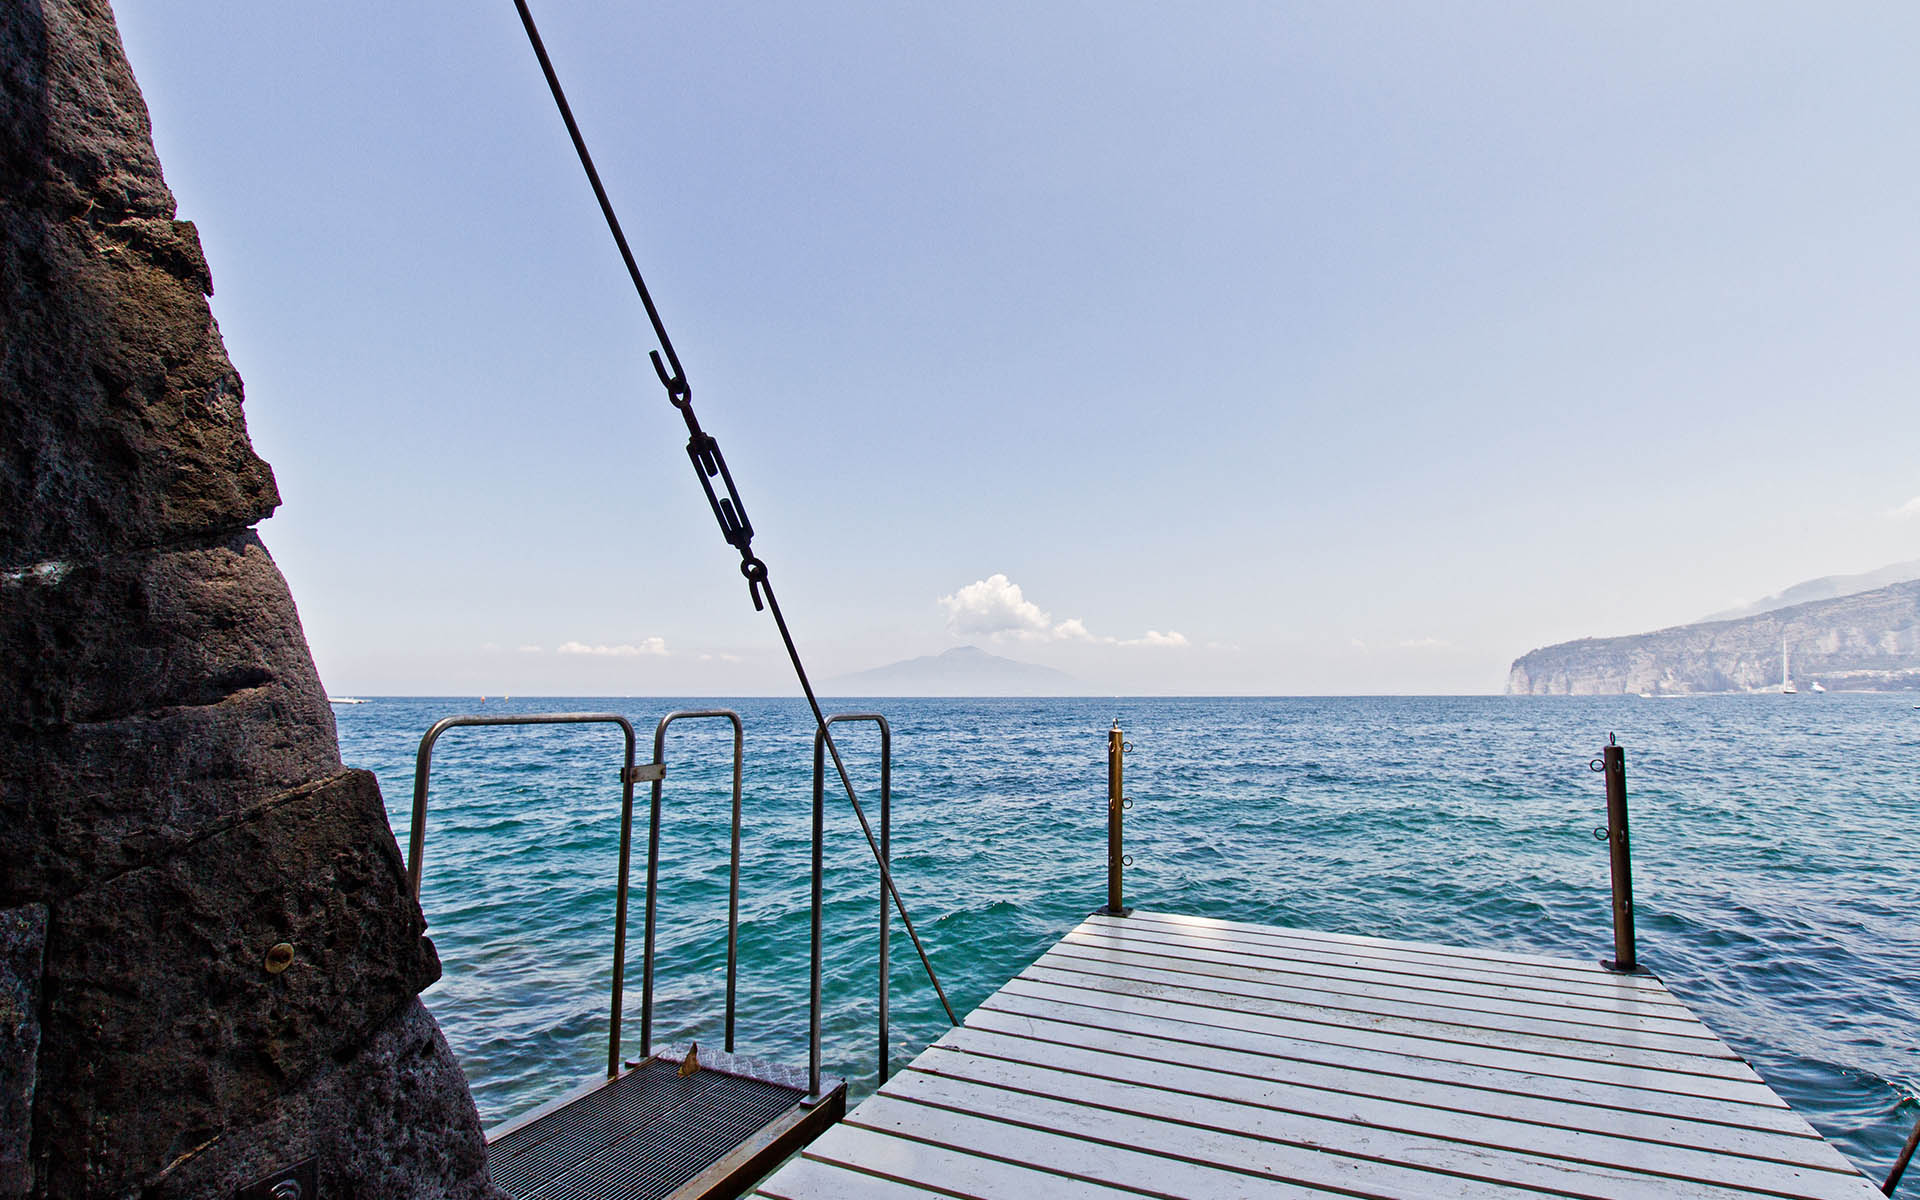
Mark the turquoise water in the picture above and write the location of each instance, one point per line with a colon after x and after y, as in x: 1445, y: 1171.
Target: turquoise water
x: 1776, y: 863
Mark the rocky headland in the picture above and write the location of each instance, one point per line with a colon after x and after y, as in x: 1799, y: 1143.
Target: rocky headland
x: 1864, y: 642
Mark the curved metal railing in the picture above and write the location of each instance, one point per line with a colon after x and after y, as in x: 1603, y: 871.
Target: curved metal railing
x: 886, y: 856
x: 417, y: 836
x: 653, y: 868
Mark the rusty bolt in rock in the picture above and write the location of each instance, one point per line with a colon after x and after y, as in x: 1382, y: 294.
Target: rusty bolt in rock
x: 279, y: 958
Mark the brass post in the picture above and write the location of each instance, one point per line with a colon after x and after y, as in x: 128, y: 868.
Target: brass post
x: 1613, y: 759
x: 1116, y: 800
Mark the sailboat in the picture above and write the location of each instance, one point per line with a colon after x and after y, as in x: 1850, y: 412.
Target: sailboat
x: 1786, y: 675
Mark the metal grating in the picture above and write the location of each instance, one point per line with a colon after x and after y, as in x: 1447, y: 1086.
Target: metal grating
x: 638, y: 1138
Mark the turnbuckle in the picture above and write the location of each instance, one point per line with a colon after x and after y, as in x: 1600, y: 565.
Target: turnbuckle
x: 709, y: 464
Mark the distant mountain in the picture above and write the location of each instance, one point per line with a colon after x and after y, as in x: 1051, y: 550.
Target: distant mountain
x: 1869, y: 641
x: 1825, y: 588
x: 961, y: 671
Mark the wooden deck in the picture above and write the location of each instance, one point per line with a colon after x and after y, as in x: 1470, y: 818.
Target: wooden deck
x: 1167, y: 1055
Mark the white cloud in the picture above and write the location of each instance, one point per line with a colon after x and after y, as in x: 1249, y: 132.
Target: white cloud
x: 1154, y: 637
x: 653, y: 646
x: 996, y: 607
x: 1425, y: 643
x: 1910, y: 509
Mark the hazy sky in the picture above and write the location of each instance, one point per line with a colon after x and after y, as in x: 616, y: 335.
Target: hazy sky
x: 1217, y: 347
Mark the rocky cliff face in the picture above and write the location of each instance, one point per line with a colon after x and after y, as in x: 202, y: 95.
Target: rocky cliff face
x: 172, y: 802
x: 1866, y: 642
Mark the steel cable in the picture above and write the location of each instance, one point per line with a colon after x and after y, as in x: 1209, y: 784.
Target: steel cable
x: 704, y: 450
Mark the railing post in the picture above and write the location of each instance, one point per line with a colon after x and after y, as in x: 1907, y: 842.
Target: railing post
x: 1613, y: 765
x: 1900, y: 1163
x: 813, y: 988
x: 1116, y: 802
x: 886, y: 913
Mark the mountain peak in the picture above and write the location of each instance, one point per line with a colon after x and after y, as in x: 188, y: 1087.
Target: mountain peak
x: 960, y: 671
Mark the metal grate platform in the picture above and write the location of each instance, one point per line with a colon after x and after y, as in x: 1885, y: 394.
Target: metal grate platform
x: 651, y: 1134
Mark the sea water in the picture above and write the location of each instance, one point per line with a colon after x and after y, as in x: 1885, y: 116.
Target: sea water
x: 1776, y: 861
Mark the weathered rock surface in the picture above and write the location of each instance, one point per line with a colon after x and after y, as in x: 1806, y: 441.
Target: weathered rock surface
x: 395, y: 1120
x: 158, y: 983
x: 23, y: 943
x: 104, y: 295
x: 172, y: 804
x: 149, y: 446
x: 126, y: 680
x: 1864, y: 642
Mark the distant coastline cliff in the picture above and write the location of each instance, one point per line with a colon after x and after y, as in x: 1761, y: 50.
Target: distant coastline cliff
x: 1864, y: 642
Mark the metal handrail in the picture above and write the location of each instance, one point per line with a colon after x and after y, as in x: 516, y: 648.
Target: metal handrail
x: 653, y: 869
x: 886, y: 856
x: 417, y: 837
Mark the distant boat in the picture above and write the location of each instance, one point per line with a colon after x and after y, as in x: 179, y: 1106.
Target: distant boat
x: 1646, y: 695
x: 1818, y: 686
x: 1786, y: 675
x: 344, y: 700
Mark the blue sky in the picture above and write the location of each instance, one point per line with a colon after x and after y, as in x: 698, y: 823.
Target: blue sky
x: 1362, y: 347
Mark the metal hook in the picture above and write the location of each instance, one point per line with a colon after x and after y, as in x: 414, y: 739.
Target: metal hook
x: 1594, y: 764
x: 1126, y: 802
x: 1612, y: 741
x: 1126, y: 860
x: 676, y: 383
x: 1600, y: 833
x: 756, y: 573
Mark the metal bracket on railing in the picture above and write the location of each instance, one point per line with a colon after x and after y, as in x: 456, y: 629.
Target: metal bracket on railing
x: 886, y: 915
x: 417, y: 837
x: 644, y: 773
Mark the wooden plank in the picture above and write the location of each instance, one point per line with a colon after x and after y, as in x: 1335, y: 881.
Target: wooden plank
x: 1762, y: 1162
x: 1217, y: 976
x: 953, y: 1171
x: 1324, y: 965
x: 1157, y: 1008
x: 1629, y: 1112
x: 1486, y: 1033
x: 1363, y: 941
x: 1385, y: 1163
x: 1542, y: 973
x: 806, y: 1179
x: 1695, y: 1039
x: 1636, y: 989
x: 1087, y: 1148
x: 1174, y: 1056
